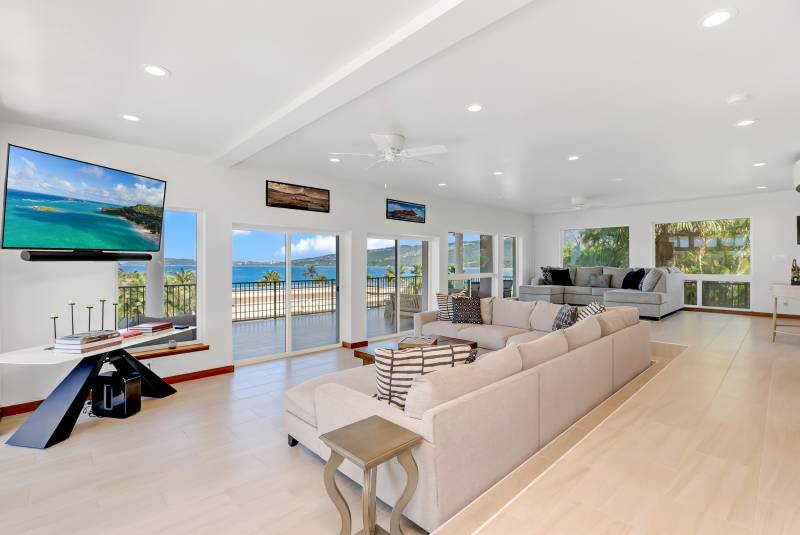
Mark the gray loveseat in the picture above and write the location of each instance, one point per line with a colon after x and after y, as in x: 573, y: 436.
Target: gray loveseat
x: 665, y: 298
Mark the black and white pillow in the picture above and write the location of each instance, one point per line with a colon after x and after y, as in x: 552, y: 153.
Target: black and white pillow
x: 467, y: 310
x: 547, y: 278
x: 590, y: 310
x: 445, y: 302
x: 395, y: 370
x: 566, y: 317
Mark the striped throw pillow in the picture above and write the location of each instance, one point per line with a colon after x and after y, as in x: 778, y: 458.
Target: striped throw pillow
x: 445, y: 303
x: 395, y: 369
x: 590, y: 310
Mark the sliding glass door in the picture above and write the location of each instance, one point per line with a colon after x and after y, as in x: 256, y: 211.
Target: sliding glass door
x: 397, y: 284
x: 285, y: 292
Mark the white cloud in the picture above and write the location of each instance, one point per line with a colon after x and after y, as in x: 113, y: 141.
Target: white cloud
x: 313, y: 245
x: 139, y: 194
x: 30, y: 167
x: 93, y: 170
x: 238, y: 232
x: 379, y: 244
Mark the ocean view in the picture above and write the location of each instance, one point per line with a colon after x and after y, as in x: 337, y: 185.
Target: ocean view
x: 43, y: 221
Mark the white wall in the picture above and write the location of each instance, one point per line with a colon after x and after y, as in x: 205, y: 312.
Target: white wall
x: 224, y: 197
x: 773, y: 228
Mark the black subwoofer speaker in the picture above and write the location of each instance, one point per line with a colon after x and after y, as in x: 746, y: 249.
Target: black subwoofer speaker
x: 117, y: 395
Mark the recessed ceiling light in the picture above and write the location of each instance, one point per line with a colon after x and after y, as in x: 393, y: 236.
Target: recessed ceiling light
x: 759, y: 164
x: 573, y: 158
x: 761, y: 187
x: 442, y: 184
x: 737, y: 99
x: 498, y: 173
x: 717, y: 17
x: 474, y: 107
x: 155, y: 70
x: 334, y: 160
x: 746, y: 122
x: 132, y: 118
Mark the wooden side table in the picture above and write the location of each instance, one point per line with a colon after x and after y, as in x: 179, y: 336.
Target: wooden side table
x: 369, y: 443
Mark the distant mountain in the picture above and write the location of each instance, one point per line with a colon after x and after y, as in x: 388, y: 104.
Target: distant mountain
x: 180, y: 261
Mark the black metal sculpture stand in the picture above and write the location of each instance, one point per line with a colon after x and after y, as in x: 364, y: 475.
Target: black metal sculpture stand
x: 54, y: 419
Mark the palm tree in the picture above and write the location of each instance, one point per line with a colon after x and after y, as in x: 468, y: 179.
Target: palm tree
x: 271, y: 276
x: 311, y: 272
x: 182, y: 276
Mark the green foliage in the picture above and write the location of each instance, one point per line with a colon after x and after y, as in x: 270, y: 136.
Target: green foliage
x: 596, y: 247
x: 718, y: 247
x: 271, y: 276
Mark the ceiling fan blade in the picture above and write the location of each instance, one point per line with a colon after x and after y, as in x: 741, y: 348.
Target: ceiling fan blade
x: 351, y: 154
x: 420, y: 161
x: 388, y: 141
x: 376, y: 163
x: 425, y: 151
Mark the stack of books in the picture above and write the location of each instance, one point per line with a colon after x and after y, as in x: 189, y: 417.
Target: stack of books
x: 85, y: 342
x: 153, y: 327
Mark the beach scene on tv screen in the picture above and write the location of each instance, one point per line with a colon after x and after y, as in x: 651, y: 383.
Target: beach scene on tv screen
x: 57, y: 203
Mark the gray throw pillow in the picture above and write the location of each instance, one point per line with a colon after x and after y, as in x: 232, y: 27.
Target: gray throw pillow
x: 617, y: 275
x: 650, y: 280
x: 600, y: 281
x: 583, y: 275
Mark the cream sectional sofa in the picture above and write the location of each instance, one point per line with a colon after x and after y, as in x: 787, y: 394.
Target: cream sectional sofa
x: 479, y: 421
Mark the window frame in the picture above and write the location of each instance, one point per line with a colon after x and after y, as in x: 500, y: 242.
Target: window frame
x: 494, y: 275
x: 561, y: 241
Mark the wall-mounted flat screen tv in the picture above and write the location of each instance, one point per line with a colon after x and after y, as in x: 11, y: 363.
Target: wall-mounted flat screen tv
x: 53, y: 202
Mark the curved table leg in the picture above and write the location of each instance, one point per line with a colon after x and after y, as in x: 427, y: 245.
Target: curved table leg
x: 408, y: 463
x: 333, y: 491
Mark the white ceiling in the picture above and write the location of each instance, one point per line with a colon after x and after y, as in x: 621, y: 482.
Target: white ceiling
x: 635, y: 88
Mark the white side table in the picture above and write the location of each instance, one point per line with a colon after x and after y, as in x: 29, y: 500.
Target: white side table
x: 783, y: 291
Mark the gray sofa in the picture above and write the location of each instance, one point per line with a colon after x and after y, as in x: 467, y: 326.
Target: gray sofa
x: 665, y: 298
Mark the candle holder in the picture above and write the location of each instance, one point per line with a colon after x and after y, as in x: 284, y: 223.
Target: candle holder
x: 72, y: 315
x: 89, y: 308
x: 54, y: 317
x: 103, y: 314
x: 116, y: 325
x: 139, y: 305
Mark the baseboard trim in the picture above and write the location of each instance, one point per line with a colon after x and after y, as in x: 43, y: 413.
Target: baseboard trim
x: 742, y: 312
x: 355, y: 345
x: 167, y: 352
x: 30, y: 406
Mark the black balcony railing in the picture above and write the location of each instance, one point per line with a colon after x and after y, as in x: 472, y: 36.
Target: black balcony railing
x: 179, y: 299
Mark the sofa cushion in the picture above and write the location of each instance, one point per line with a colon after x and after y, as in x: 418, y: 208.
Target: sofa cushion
x: 395, y: 369
x: 433, y: 389
x: 543, y: 316
x: 636, y: 297
x: 512, y: 313
x: 582, y: 333
x: 541, y: 290
x: 617, y: 275
x: 651, y: 279
x: 616, y: 319
x: 560, y: 277
x: 578, y: 290
x: 489, y: 336
x: 584, y: 274
x: 522, y: 338
x: 661, y: 285
x: 445, y: 302
x: 547, y: 347
x: 599, y: 281
x: 467, y: 310
x: 443, y: 328
x: 486, y: 309
x: 600, y: 291
x: 299, y: 400
x: 633, y: 279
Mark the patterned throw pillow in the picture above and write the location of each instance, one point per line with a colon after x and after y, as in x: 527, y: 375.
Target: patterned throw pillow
x: 547, y: 278
x: 445, y: 302
x: 467, y: 310
x: 395, y: 370
x: 567, y: 315
x: 590, y: 310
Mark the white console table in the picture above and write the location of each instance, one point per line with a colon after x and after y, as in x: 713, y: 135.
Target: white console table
x: 54, y: 419
x: 783, y: 291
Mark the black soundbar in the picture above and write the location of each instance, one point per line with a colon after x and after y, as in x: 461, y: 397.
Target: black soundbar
x: 82, y: 256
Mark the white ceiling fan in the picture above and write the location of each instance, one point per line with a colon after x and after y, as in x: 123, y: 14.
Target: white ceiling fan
x: 391, y: 148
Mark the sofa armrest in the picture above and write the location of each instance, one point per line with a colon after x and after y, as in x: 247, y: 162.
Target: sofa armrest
x: 338, y: 405
x: 421, y: 318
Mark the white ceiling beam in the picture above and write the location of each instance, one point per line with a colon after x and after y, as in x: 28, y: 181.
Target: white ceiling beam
x: 434, y: 30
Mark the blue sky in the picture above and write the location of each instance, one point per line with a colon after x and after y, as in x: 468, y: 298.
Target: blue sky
x: 180, y: 234
x: 258, y: 246
x: 37, y: 172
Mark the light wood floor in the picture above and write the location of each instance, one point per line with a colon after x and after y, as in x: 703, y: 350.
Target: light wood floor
x: 710, y: 446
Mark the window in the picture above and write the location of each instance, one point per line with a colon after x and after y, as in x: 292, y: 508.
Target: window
x: 509, y: 266
x: 587, y: 247
x: 711, y: 247
x: 470, y: 263
x: 715, y: 256
x: 177, y: 281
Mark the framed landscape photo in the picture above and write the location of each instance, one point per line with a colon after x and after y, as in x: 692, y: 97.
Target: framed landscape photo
x: 405, y: 211
x: 295, y: 197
